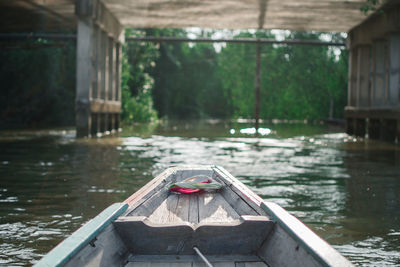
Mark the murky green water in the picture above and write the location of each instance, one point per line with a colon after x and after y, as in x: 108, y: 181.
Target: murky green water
x: 347, y: 190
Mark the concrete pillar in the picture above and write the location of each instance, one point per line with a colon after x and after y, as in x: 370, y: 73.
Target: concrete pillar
x: 394, y: 70
x: 99, y: 33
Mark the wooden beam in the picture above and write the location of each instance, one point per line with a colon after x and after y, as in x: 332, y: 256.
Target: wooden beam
x: 230, y: 40
x: 101, y: 106
x: 374, y: 113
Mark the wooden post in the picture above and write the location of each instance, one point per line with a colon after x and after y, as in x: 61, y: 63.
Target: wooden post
x: 363, y: 71
x: 111, y: 62
x: 379, y: 84
x: 394, y: 71
x: 84, y: 73
x: 360, y: 127
x: 106, y: 66
x: 374, y: 126
x: 97, y: 61
x: 351, y: 100
x: 257, y: 87
x: 103, y: 64
x: 388, y: 130
x: 398, y: 131
x: 350, y: 126
x: 118, y: 70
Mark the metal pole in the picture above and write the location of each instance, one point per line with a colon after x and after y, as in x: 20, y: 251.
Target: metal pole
x: 11, y: 36
x: 202, y: 257
x: 257, y: 87
x: 237, y: 40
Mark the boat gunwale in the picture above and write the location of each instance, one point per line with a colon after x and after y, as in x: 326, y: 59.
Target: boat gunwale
x: 70, y: 246
x: 322, y: 251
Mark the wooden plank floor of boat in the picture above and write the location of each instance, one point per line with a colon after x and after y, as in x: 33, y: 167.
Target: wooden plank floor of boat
x: 195, y: 264
x: 168, y: 208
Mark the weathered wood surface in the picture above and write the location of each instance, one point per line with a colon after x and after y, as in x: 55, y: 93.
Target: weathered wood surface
x: 237, y: 237
x: 193, y: 260
x: 108, y: 249
x: 196, y: 264
x: 161, y: 206
x: 243, y: 192
x: 77, y: 245
x: 291, y: 243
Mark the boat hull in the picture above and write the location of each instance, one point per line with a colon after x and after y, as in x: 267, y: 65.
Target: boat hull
x: 231, y: 227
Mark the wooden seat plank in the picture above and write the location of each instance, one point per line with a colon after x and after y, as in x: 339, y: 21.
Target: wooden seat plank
x: 142, y: 236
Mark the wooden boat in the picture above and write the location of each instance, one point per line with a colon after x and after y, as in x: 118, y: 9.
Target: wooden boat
x: 230, y: 227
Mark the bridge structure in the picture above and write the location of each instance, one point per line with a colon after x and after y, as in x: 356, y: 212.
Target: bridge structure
x: 373, y: 41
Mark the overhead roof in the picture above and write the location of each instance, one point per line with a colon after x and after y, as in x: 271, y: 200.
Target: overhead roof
x: 316, y: 15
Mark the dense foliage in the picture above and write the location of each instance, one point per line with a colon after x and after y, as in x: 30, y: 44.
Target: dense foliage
x: 183, y: 80
x: 138, y: 60
x: 37, y: 80
x: 297, y: 82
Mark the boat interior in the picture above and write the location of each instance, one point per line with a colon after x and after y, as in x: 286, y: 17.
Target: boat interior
x: 229, y: 227
x: 162, y: 228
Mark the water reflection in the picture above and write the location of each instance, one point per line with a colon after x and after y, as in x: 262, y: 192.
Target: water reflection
x: 345, y: 189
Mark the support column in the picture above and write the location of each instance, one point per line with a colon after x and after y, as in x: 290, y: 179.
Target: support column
x: 360, y: 127
x: 111, y: 62
x: 394, y: 71
x: 388, y: 130
x: 352, y: 83
x: 117, y: 122
x: 374, y: 126
x: 379, y: 78
x: 363, y: 71
x: 103, y: 64
x: 118, y: 71
x: 110, y: 121
x: 350, y: 126
x: 84, y: 72
x: 93, y: 128
x: 98, y: 35
x: 398, y: 132
x: 258, y: 86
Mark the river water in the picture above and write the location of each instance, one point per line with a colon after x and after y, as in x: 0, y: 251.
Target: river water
x: 345, y: 189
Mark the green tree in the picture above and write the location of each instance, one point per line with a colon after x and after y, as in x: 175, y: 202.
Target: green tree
x: 137, y: 83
